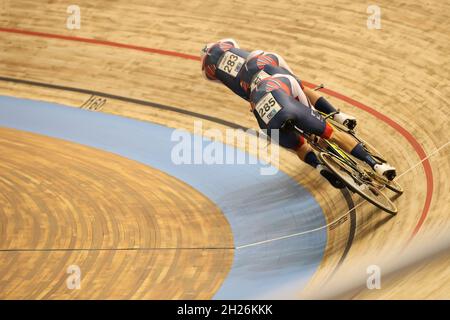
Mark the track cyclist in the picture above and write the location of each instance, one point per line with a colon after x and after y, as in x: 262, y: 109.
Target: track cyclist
x: 277, y: 97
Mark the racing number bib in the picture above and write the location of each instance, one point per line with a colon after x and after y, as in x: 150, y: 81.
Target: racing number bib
x: 267, y: 107
x: 231, y: 64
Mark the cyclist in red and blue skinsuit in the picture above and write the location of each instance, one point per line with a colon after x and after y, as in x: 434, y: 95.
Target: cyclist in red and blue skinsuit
x: 223, y: 61
x: 241, y: 70
x: 276, y: 96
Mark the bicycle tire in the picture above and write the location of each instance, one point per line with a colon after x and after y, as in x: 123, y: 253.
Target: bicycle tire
x: 338, y: 167
x: 391, y: 185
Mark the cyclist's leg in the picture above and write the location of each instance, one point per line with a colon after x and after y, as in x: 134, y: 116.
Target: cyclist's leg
x: 300, y: 146
x: 356, y: 149
x: 307, y: 119
x: 322, y: 104
x: 281, y: 62
x: 318, y: 101
x: 311, y: 122
x: 293, y: 140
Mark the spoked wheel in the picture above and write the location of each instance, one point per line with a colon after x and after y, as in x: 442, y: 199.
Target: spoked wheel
x: 364, y: 186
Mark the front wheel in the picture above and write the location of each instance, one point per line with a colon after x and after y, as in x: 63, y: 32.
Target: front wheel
x: 358, y: 182
x: 391, y: 185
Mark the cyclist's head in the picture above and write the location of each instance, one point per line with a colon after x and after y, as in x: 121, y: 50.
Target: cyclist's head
x: 207, y: 63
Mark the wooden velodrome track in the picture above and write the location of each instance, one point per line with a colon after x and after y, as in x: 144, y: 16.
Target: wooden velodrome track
x: 400, y: 71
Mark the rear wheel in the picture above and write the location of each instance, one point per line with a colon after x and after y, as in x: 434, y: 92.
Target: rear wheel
x: 359, y: 182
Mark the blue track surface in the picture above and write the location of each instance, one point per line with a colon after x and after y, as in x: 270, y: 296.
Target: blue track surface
x: 257, y: 207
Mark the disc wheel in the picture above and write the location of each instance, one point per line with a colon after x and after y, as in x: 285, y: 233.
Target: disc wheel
x: 354, y: 180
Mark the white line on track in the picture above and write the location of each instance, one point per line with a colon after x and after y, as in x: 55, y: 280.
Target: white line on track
x: 334, y: 221
x: 424, y: 159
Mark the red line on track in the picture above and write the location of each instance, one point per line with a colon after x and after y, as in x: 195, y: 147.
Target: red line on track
x: 100, y: 42
x: 406, y: 134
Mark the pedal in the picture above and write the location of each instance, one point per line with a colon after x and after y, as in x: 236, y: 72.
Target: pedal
x: 348, y: 121
x: 350, y: 124
x: 390, y: 175
x: 386, y: 171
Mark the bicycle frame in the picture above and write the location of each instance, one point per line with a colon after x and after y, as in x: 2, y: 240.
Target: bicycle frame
x: 331, y: 147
